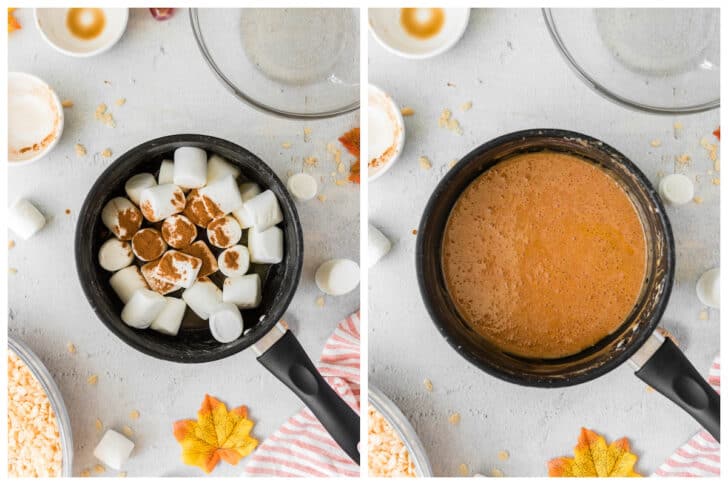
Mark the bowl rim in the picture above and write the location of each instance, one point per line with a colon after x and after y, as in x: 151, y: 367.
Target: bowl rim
x: 400, y: 143
x: 250, y: 101
x: 606, y: 93
x: 112, y: 42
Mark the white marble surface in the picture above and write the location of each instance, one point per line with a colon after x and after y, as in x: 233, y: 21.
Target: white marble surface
x: 507, y: 65
x: 169, y: 89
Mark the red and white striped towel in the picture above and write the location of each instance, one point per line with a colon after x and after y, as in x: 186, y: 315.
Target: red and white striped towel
x: 699, y: 457
x: 301, y: 447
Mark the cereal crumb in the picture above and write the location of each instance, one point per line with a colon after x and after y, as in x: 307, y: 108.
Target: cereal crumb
x: 655, y: 143
x: 463, y: 469
x: 503, y: 455
x: 677, y: 129
x: 466, y: 106
x: 286, y: 144
x: 341, y: 182
x: 321, y: 197
x: 697, y: 199
x: 407, y: 111
x: 307, y: 134
x: 93, y: 379
x: 67, y: 103
x: 320, y: 301
x: 99, y: 468
x: 106, y: 153
x: 128, y: 432
x: 444, y: 117
x: 716, y: 181
x: 425, y: 163
x: 454, y: 418
x: 496, y: 472
x: 13, y: 271
x: 104, y: 116
x: 85, y: 472
x: 80, y: 150
x: 703, y: 315
x: 11, y: 244
x: 452, y: 163
x: 683, y: 159
x: 310, y: 161
x: 428, y: 385
x: 649, y: 389
x: 135, y: 414
x: 71, y: 348
x: 99, y: 425
x: 120, y: 102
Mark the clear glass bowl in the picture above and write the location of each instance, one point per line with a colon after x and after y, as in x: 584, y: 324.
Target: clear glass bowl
x: 54, y: 396
x: 658, y: 60
x: 403, y: 428
x: 300, y: 63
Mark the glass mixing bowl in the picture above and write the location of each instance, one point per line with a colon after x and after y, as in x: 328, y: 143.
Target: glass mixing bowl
x: 298, y: 63
x: 659, y: 60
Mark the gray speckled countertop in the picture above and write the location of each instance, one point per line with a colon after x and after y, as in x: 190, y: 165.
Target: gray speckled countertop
x: 169, y: 89
x: 507, y: 65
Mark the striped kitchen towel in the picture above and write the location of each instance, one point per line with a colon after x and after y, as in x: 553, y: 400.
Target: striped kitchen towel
x: 699, y: 457
x: 301, y: 447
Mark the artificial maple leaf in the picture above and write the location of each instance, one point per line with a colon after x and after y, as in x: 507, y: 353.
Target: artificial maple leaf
x: 217, y: 433
x: 716, y: 133
x: 352, y: 143
x: 13, y: 23
x: 593, y: 458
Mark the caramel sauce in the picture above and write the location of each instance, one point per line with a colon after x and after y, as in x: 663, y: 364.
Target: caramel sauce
x: 86, y: 23
x: 544, y: 255
x: 422, y: 23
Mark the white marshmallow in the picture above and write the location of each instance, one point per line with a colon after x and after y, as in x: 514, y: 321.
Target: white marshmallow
x: 243, y: 291
x: 114, y: 449
x: 234, y: 261
x: 266, y: 246
x: 203, y: 297
x: 337, y: 276
x: 190, y: 167
x: 149, y: 271
x: 143, y: 307
x: 137, y: 183
x: 115, y: 255
x: 218, y: 167
x: 676, y: 189
x: 303, y: 186
x: 169, y: 319
x: 248, y: 190
x: 226, y: 323
x: 126, y: 281
x: 221, y: 197
x: 264, y: 210
x: 121, y: 217
x: 185, y: 268
x: 161, y: 201
x: 224, y: 232
x: 24, y: 219
x: 379, y: 245
x: 166, y: 172
x: 708, y: 288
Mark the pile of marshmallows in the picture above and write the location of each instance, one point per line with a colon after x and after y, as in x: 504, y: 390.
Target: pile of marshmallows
x: 190, y: 195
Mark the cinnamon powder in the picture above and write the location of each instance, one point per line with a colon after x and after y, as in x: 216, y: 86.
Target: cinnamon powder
x: 231, y: 260
x: 167, y: 268
x: 212, y: 208
x: 148, y: 244
x: 217, y: 228
x: 130, y: 220
x: 201, y: 251
x: 178, y: 231
x: 195, y: 209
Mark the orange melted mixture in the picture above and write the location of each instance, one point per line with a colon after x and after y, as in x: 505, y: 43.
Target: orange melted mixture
x: 544, y: 255
x: 85, y: 23
x: 422, y: 23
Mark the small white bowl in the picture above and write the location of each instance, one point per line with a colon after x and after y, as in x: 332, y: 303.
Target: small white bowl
x: 35, y: 118
x: 385, y: 132
x: 386, y: 27
x: 51, y: 23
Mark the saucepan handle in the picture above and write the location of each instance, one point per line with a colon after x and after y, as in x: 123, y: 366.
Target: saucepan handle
x: 671, y: 373
x: 281, y: 353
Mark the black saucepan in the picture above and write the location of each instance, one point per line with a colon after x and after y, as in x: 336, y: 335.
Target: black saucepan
x: 658, y: 361
x: 278, y: 349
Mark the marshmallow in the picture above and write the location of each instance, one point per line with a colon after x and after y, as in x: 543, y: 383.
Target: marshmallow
x: 126, y: 281
x: 264, y: 210
x: 161, y: 201
x: 234, y: 261
x: 303, y: 186
x: 201, y: 251
x: 266, y: 246
x: 149, y: 271
x: 248, y: 190
x: 114, y: 449
x: 221, y: 197
x: 708, y: 288
x: 143, y: 307
x: 169, y: 319
x: 379, y: 245
x: 676, y: 189
x: 24, y: 219
x: 243, y: 291
x: 178, y: 231
x: 218, y: 167
x: 148, y: 244
x: 115, y: 255
x: 195, y: 209
x: 190, y: 167
x: 178, y: 268
x: 203, y: 297
x: 166, y: 172
x: 226, y: 323
x: 121, y: 217
x: 137, y: 183
x: 337, y: 276
x: 224, y: 232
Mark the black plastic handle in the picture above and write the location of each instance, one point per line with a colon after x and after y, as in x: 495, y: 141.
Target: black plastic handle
x: 672, y: 374
x: 287, y: 360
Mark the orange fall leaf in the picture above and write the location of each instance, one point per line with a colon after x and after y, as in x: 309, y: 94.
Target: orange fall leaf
x: 13, y: 23
x: 716, y: 133
x: 593, y: 458
x: 352, y: 142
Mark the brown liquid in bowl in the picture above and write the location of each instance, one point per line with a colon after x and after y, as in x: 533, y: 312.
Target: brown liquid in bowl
x: 544, y: 255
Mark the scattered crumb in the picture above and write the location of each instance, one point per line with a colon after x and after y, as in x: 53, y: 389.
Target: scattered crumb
x: 503, y: 455
x: 428, y: 385
x: 13, y: 271
x: 452, y: 163
x: 68, y: 212
x: 85, y: 472
x: 11, y: 244
x: 444, y: 116
x: 716, y: 165
x: 697, y: 199
x: 407, y: 111
x: 496, y: 472
x: 340, y: 168
x: 128, y: 432
x: 306, y: 134
x: 454, y: 125
x: 425, y: 163
x: 321, y: 197
x: 650, y: 389
x: 106, y: 153
x: 320, y: 301
x: 120, y: 102
x: 71, y: 348
x: 447, y: 121
x: 135, y: 414
x: 655, y: 143
x: 99, y: 468
x: 121, y: 475
x: 716, y: 181
x: 703, y: 315
x: 711, y: 148
x: 454, y: 418
x: 104, y: 116
x: 286, y: 145
x: 67, y: 103
x: 341, y: 182
x: 93, y: 379
x: 99, y: 425
x: 466, y: 106
x: 463, y: 469
x: 677, y: 129
x: 80, y: 150
x: 683, y: 159
x: 310, y: 161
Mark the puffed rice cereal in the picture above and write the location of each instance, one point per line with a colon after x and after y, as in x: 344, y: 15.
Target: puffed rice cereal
x: 388, y: 455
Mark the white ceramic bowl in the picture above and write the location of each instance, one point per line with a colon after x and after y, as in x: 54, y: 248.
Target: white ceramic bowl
x: 390, y: 135
x: 51, y: 23
x: 386, y: 27
x: 35, y: 119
